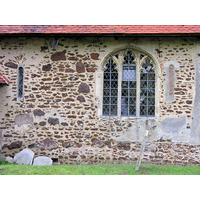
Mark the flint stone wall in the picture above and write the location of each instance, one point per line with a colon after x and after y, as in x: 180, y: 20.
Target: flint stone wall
x: 60, y: 104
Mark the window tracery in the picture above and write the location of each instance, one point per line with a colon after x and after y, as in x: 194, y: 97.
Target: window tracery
x: 129, y: 82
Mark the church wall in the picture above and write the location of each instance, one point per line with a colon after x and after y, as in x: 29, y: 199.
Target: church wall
x: 58, y: 116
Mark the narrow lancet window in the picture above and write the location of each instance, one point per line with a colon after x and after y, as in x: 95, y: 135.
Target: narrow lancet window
x: 20, y: 91
x: 110, y: 89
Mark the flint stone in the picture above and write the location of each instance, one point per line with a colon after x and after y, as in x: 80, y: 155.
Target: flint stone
x: 53, y: 121
x: 42, y: 160
x: 16, y: 144
x: 11, y: 65
x: 24, y: 157
x: 83, y: 88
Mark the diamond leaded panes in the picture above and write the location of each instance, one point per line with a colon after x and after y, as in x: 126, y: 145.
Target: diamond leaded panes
x: 147, y: 90
x: 128, y: 92
x: 20, y: 82
x: 136, y: 84
x: 110, y: 89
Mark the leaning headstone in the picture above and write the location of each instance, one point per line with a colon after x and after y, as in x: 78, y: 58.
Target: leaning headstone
x: 24, y: 157
x: 42, y: 160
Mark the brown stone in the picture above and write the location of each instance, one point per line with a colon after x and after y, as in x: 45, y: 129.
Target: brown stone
x: 80, y: 67
x: 14, y: 145
x: 46, y: 67
x: 72, y: 58
x: 43, y: 123
x: 83, y: 88
x: 68, y: 99
x: 123, y: 146
x: 69, y: 70
x: 81, y: 98
x: 46, y: 144
x: 59, y: 56
x: 44, y: 87
x: 97, y: 143
x: 72, y: 116
x: 11, y: 65
x: 94, y: 56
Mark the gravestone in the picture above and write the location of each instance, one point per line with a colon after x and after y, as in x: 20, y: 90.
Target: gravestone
x: 42, y: 160
x: 24, y: 157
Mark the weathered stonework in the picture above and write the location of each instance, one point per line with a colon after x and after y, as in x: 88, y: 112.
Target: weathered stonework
x: 58, y: 116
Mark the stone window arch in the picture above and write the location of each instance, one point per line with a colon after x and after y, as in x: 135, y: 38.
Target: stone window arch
x: 127, y: 84
x: 20, y: 82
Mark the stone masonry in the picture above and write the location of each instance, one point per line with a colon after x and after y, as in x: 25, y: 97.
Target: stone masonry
x: 58, y: 115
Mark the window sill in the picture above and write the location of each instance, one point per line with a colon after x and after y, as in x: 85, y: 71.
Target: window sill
x: 126, y: 118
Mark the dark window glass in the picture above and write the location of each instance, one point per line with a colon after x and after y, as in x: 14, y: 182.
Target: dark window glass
x: 128, y: 90
x: 147, y: 90
x: 110, y: 90
x: 20, y: 82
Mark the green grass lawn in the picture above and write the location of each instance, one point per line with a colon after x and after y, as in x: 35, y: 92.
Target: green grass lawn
x: 99, y: 169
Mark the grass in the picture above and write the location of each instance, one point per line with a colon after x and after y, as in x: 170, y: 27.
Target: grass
x: 99, y: 169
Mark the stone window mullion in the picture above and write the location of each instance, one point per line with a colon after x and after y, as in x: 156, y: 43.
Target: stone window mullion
x: 138, y: 92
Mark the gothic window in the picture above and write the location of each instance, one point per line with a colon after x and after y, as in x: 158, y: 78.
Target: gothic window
x: 20, y: 90
x: 129, y: 83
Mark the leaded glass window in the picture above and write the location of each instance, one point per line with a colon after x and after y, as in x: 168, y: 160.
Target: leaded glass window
x: 20, y: 82
x: 128, y: 92
x: 110, y: 89
x: 147, y: 90
x: 129, y: 85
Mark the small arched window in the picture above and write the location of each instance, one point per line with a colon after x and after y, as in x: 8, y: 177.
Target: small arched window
x: 20, y: 84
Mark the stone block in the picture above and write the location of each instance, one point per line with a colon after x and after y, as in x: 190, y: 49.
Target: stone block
x: 174, y: 125
x: 24, y: 157
x: 42, y: 160
x: 59, y: 56
x: 22, y: 119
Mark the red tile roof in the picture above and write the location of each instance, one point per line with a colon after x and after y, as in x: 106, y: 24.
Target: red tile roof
x: 3, y: 79
x: 99, y: 29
